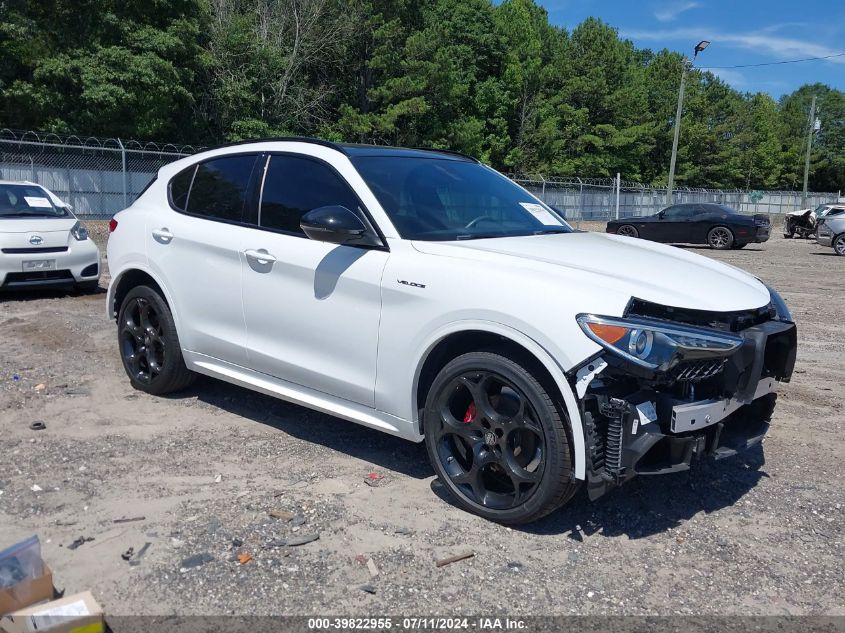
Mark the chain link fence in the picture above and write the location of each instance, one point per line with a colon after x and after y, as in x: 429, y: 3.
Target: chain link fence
x: 99, y: 177
x: 592, y: 199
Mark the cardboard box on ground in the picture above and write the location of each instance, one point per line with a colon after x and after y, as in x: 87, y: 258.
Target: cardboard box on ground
x: 78, y: 613
x: 26, y: 592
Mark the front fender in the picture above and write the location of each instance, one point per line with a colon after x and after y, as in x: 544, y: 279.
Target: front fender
x: 528, y: 343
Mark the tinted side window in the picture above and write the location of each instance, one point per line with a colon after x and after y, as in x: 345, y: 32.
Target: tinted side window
x: 220, y: 188
x: 179, y: 187
x: 293, y: 186
x: 674, y: 213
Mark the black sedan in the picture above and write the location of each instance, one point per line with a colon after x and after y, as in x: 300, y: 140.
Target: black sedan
x: 700, y: 223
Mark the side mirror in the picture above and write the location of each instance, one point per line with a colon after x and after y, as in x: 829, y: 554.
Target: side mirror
x: 337, y: 225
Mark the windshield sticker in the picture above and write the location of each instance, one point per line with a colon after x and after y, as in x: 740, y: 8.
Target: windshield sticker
x: 540, y: 212
x: 40, y: 203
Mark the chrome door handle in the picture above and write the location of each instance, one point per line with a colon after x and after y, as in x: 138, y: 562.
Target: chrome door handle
x: 163, y: 235
x: 261, y: 256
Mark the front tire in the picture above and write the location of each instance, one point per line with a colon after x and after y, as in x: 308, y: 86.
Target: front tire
x: 497, y: 439
x: 839, y: 245
x: 628, y: 230
x: 149, y: 346
x: 720, y: 238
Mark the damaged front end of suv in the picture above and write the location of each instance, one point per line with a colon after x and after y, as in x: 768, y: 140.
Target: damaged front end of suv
x: 672, y: 385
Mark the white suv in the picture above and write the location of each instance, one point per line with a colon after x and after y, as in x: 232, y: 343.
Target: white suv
x: 423, y: 294
x: 41, y: 241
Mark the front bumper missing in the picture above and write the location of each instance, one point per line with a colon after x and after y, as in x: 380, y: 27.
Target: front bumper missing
x: 637, y: 426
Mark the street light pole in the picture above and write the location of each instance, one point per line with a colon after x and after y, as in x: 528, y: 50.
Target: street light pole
x: 812, y: 126
x: 678, y: 113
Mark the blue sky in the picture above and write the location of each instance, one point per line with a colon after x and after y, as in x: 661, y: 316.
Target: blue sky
x: 740, y: 32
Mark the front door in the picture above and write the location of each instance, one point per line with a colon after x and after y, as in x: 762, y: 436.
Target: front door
x: 312, y: 309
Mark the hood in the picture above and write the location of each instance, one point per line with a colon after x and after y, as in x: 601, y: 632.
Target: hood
x: 36, y: 225
x: 799, y: 212
x: 654, y: 272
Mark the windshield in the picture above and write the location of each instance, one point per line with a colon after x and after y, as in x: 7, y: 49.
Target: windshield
x: 27, y: 201
x: 442, y: 200
x: 821, y: 210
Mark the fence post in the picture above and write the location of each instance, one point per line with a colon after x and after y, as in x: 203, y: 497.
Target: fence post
x: 580, y: 202
x: 32, y: 168
x: 123, y: 161
x: 543, y: 195
x: 618, y: 186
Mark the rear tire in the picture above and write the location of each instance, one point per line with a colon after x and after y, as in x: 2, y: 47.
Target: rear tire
x: 148, y: 343
x: 497, y: 439
x: 720, y: 238
x: 628, y: 230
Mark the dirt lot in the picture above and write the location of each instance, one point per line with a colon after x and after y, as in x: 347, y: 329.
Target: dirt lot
x: 761, y: 534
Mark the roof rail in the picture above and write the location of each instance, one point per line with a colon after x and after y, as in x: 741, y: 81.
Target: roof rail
x: 298, y: 139
x: 447, y: 151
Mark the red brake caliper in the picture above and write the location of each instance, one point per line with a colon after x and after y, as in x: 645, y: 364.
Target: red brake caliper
x: 469, y: 416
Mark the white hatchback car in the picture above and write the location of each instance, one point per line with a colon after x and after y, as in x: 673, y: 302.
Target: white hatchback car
x: 424, y: 294
x: 41, y: 241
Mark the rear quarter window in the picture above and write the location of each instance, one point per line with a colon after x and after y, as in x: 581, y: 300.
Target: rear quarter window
x: 179, y: 187
x: 220, y: 188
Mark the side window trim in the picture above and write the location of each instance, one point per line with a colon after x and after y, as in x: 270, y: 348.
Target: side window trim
x: 362, y: 212
x: 266, y: 158
x: 191, y: 186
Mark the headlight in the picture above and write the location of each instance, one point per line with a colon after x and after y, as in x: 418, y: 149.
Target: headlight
x: 654, y: 344
x: 781, y: 311
x: 79, y: 232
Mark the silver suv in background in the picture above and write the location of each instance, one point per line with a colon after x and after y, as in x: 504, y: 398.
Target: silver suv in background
x: 830, y: 230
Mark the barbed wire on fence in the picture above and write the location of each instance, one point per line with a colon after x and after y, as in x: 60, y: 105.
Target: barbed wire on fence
x: 54, y: 140
x: 101, y: 176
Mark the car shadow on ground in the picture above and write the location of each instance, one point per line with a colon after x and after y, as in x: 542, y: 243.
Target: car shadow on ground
x: 37, y: 294
x: 649, y: 505
x: 705, y: 247
x: 642, y: 507
x: 369, y: 445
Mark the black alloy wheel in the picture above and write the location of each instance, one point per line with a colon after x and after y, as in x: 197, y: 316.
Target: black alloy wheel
x: 149, y: 346
x: 497, y: 439
x: 628, y: 230
x: 141, y: 343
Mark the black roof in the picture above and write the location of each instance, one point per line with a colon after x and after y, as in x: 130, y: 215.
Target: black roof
x: 361, y: 149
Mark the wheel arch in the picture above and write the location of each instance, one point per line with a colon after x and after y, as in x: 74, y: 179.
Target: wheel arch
x: 467, y: 337
x: 130, y: 278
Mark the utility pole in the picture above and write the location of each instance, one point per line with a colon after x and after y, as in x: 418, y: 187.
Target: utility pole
x: 812, y: 128
x: 678, y: 113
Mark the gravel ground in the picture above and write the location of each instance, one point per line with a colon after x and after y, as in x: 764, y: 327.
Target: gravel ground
x: 761, y: 534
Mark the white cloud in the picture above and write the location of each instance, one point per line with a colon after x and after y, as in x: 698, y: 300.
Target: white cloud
x: 761, y: 42
x: 669, y: 12
x: 731, y: 77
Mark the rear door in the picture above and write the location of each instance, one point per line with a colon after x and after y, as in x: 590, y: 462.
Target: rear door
x: 195, y: 246
x: 312, y: 308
